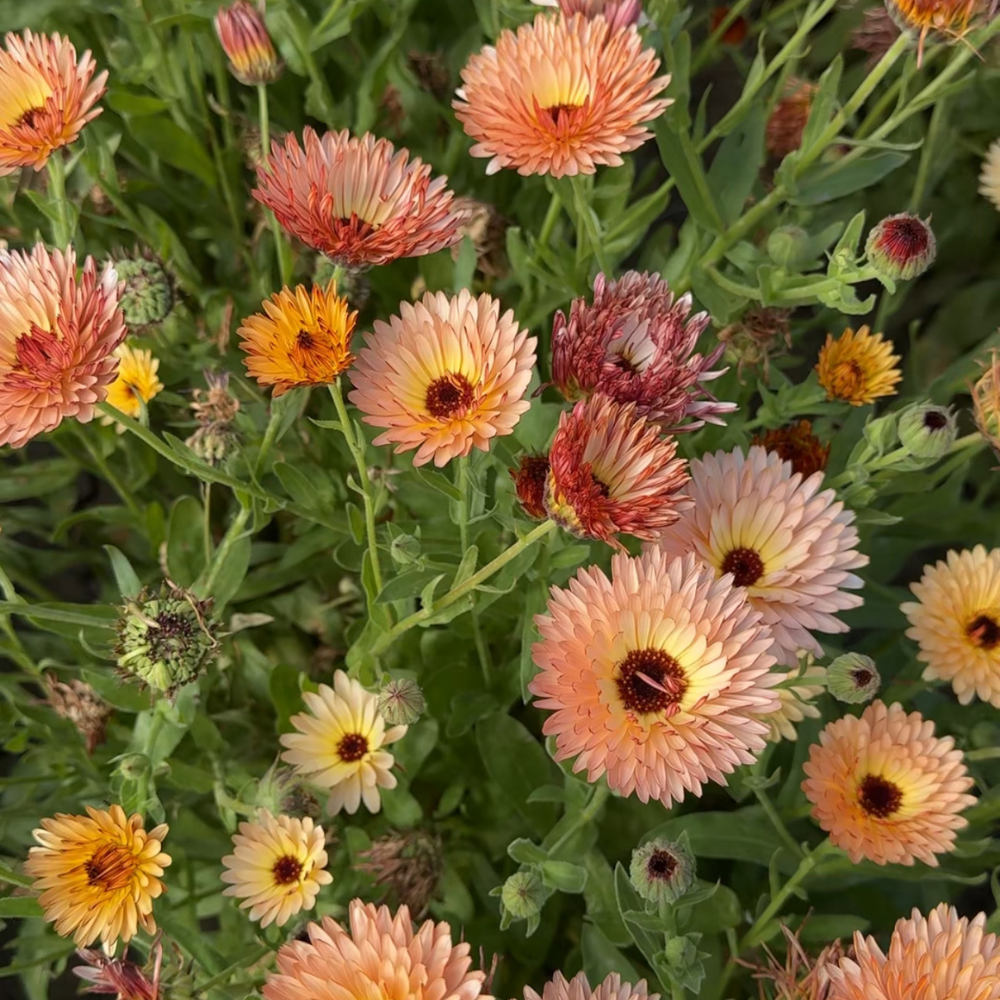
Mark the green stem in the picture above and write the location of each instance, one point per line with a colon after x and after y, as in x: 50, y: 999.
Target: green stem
x: 586, y: 216
x: 777, y: 822
x: 262, y: 951
x: 357, y: 450
x: 587, y: 813
x: 107, y: 472
x: 934, y: 132
x: 270, y: 434
x: 385, y: 640
x: 206, y: 522
x: 482, y: 650
x: 232, y: 536
x: 548, y: 223
x: 62, y: 234
x: 281, y: 247
x: 17, y: 652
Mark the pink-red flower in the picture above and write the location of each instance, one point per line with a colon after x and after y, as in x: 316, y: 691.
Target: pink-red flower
x: 618, y: 13
x: 244, y: 38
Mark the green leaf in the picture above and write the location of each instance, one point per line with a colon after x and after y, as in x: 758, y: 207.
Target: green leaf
x: 526, y: 852
x: 20, y: 907
x: 165, y: 139
x: 601, y: 957
x: 826, y: 182
x: 564, y: 876
x: 684, y: 164
x: 36, y: 479
x: 465, y: 265
x: 125, y: 576
x: 185, y: 541
x: 14, y: 878
x: 439, y: 482
x: 737, y: 164
x: 232, y: 572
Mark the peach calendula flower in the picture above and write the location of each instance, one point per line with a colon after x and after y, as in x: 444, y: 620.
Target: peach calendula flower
x: 941, y: 956
x: 884, y: 787
x: 635, y: 344
x: 58, y: 335
x: 378, y: 955
x: 46, y: 97
x: 561, y: 96
x: 98, y: 874
x: 659, y: 677
x: 611, y: 473
x: 358, y: 201
x: 277, y: 867
x: 136, y: 383
x: 339, y: 744
x: 302, y: 338
x: 956, y: 622
x: 244, y: 38
x: 446, y: 374
x: 796, y: 444
x: 858, y: 368
x: 579, y: 988
x: 783, y: 134
x: 791, y: 546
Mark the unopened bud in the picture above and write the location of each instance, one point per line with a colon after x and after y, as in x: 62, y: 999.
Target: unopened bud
x: 148, y: 295
x: 927, y: 431
x: 401, y: 702
x: 853, y: 678
x: 662, y: 870
x: 524, y: 894
x: 244, y: 38
x: 788, y: 245
x: 901, y: 247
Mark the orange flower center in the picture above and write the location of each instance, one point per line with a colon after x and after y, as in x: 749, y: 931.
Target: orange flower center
x: 111, y: 867
x: 935, y: 13
x: 878, y: 797
x: 984, y: 632
x: 746, y: 566
x: 352, y: 747
x: 847, y: 379
x: 650, y: 680
x: 449, y: 396
x: 286, y: 870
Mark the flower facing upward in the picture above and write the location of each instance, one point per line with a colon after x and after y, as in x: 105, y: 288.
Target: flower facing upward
x: 136, y: 383
x: 339, y: 745
x: 886, y: 788
x: 659, y: 677
x: 277, y: 867
x: 858, y: 368
x: 662, y: 871
x: 380, y: 955
x: 98, y: 874
x: 618, y: 13
x: 635, y: 344
x: 561, y: 96
x: 58, y: 335
x: 611, y: 473
x: 357, y: 200
x: 989, y: 177
x: 244, y: 38
x: 796, y: 444
x: 46, y: 97
x: 578, y: 988
x: 791, y: 546
x: 303, y: 337
x: 901, y: 246
x: 531, y: 479
x: 955, y: 620
x: 783, y: 134
x: 796, y: 697
x: 445, y: 375
x: 938, y: 957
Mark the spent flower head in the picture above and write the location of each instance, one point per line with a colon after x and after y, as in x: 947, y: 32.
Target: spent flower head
x: 148, y: 296
x: 401, y: 702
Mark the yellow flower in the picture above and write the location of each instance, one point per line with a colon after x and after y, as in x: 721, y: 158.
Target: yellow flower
x: 277, y: 867
x: 136, y: 383
x: 98, y: 874
x: 858, y: 368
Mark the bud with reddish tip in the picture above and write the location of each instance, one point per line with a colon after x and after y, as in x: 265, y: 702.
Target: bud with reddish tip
x: 530, y: 479
x: 901, y: 247
x: 244, y: 38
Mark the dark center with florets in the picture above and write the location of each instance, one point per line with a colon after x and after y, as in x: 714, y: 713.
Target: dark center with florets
x: 449, y: 395
x: 878, y: 797
x: 352, y: 747
x: 557, y: 111
x: 746, y: 566
x: 110, y: 867
x: 861, y: 677
x: 935, y: 420
x: 304, y: 339
x: 984, y: 631
x: 286, y: 870
x: 30, y: 117
x: 605, y: 490
x: 172, y: 636
x: 650, y: 680
x: 661, y: 866
x: 907, y: 238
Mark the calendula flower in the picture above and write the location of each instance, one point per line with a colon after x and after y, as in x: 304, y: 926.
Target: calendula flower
x: 561, y: 96
x: 48, y: 96
x: 661, y: 870
x: 579, y: 988
x: 58, y: 335
x: 941, y: 956
x: 901, y: 246
x: 98, y: 874
x: 789, y: 545
x: 244, y: 38
x: 950, y: 17
x: 611, y: 473
x: 135, y: 384
x: 796, y: 696
x: 618, y: 13
x: 380, y: 955
x: 783, y: 134
x: 118, y: 976
x: 277, y: 867
x: 659, y: 677
x: 886, y: 788
x: 531, y: 480
x: 302, y: 338
x: 447, y: 374
x: 986, y: 400
x: 797, y: 445
x: 956, y: 623
x: 989, y: 177
x: 635, y: 345
x: 359, y: 201
x: 339, y: 744
x: 858, y: 368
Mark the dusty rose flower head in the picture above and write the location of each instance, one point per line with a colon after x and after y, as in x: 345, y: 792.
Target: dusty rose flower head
x: 561, y: 96
x: 47, y: 98
x: 618, y: 13
x: 659, y: 677
x: 244, y: 38
x: 875, y: 34
x: 901, y: 246
x: 82, y: 705
x: 447, y: 374
x: 886, y: 788
x: 941, y: 956
x: 531, y: 478
x: 379, y: 955
x: 118, y: 976
x: 578, y: 988
x: 58, y: 335
x: 783, y: 134
x: 635, y: 344
x: 611, y: 473
x: 791, y: 546
x: 357, y: 200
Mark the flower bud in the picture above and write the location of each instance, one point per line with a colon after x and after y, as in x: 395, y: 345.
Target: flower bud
x: 662, y: 870
x: 853, y: 678
x: 148, y: 295
x: 901, y: 246
x: 986, y: 401
x: 530, y: 480
x: 524, y: 894
x: 927, y: 431
x: 401, y: 702
x: 212, y: 442
x: 788, y: 245
x: 244, y: 38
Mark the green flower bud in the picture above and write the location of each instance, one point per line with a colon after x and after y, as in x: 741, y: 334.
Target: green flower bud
x: 148, y: 295
x: 901, y: 247
x: 927, y: 431
x: 788, y: 245
x: 853, y: 678
x: 524, y: 894
x: 212, y: 443
x: 662, y: 870
x: 166, y: 640
x: 401, y: 702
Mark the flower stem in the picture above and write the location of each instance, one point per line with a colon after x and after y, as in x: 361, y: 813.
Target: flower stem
x: 62, y: 233
x: 482, y: 650
x: 588, y: 223
x: 597, y: 799
x: 270, y: 433
x: 108, y: 473
x: 281, y: 247
x: 778, y: 823
x: 233, y: 534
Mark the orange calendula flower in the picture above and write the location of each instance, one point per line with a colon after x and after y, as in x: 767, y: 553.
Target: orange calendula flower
x: 796, y: 444
x: 58, y: 335
x: 950, y: 17
x: 46, y: 97
x: 886, y: 788
x: 136, y: 383
x: 377, y: 955
x: 445, y: 375
x: 561, y: 96
x: 858, y: 368
x: 359, y: 201
x: 244, y: 38
x: 659, y: 677
x: 98, y: 874
x: 302, y: 338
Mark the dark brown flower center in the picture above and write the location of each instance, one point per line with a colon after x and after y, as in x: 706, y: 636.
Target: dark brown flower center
x: 110, y: 867
x: 448, y: 396
x: 352, y: 747
x: 984, y: 631
x: 29, y: 118
x: 650, y: 680
x: 935, y: 420
x: 304, y: 340
x: 557, y: 111
x: 746, y: 566
x: 878, y: 797
x: 661, y: 865
x: 861, y: 677
x: 286, y: 870
x: 626, y: 365
x: 601, y: 485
